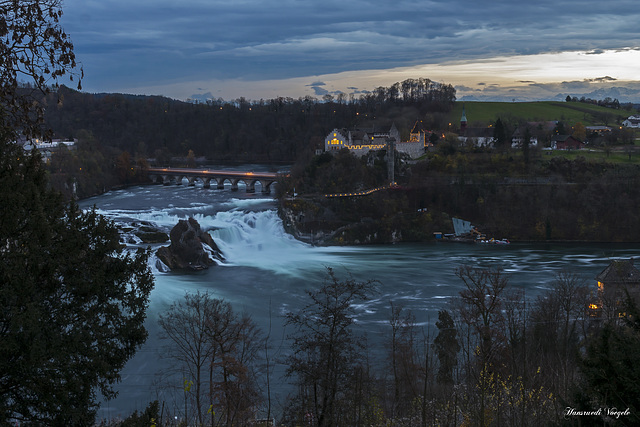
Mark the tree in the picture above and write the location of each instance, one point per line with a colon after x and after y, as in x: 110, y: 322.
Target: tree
x: 446, y: 346
x: 579, y: 131
x: 500, y: 134
x: 526, y: 148
x: 73, y: 299
x: 480, y: 307
x: 33, y: 46
x: 404, y: 361
x: 215, y: 350
x: 611, y: 370
x: 325, y: 348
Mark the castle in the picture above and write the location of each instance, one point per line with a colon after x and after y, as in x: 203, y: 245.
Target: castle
x: 361, y: 141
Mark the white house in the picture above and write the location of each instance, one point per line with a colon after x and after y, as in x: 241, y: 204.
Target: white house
x: 632, y: 122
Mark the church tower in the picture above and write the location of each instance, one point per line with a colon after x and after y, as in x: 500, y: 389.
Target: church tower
x: 463, y: 120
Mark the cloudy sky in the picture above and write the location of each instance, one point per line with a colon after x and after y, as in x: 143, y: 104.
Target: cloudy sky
x: 488, y: 49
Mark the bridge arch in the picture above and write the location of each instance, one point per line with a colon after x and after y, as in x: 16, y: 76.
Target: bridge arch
x: 169, y: 176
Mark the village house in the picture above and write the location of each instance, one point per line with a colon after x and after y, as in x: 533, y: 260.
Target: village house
x: 597, y: 129
x: 566, y: 142
x: 478, y: 137
x: 537, y: 131
x: 632, y: 122
x: 47, y: 147
x: 614, y: 282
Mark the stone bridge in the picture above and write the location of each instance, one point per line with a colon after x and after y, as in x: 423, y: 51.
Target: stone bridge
x: 168, y: 176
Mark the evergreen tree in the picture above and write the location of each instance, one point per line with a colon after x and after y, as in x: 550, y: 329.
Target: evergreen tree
x: 446, y: 347
x: 500, y: 134
x: 73, y: 300
x: 611, y: 369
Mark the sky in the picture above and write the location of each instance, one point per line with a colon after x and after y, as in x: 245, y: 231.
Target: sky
x: 506, y: 50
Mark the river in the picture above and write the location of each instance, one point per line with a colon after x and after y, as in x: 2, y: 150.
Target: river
x: 266, y: 271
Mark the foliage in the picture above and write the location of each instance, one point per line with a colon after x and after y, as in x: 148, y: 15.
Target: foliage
x: 74, y: 301
x: 610, y: 367
x: 274, y: 130
x: 33, y: 45
x: 148, y: 418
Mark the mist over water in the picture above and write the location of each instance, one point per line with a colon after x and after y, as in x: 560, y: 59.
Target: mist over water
x: 266, y: 271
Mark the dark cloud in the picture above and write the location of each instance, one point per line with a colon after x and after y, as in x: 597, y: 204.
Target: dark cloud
x: 124, y: 43
x: 602, y: 79
x: 317, y: 84
x: 319, y: 90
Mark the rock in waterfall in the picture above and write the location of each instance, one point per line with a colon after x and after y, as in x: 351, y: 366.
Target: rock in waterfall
x: 191, y: 248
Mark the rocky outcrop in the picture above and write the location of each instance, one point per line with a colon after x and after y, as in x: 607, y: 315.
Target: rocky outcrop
x: 191, y: 248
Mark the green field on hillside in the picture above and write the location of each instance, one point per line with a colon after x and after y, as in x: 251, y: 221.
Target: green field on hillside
x: 484, y: 113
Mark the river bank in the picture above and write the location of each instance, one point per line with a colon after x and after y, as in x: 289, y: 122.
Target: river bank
x: 594, y: 212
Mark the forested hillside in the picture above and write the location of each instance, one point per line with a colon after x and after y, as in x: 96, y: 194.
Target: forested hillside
x: 275, y: 130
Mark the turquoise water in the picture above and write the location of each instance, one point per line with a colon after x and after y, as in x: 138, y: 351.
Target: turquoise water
x: 266, y: 271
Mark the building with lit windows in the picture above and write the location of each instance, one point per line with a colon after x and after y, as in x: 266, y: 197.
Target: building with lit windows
x: 619, y: 279
x: 361, y: 141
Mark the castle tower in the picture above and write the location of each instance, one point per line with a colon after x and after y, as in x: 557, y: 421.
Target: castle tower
x: 463, y: 120
x: 391, y: 151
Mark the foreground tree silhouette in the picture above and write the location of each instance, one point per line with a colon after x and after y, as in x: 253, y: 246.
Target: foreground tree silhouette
x: 34, y: 53
x: 326, y: 351
x: 73, y: 299
x: 216, y: 351
x: 446, y: 347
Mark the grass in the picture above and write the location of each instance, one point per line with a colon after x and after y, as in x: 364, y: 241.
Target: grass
x: 484, y: 113
x: 615, y: 156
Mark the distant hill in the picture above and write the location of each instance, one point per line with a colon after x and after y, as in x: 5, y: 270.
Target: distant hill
x: 485, y: 113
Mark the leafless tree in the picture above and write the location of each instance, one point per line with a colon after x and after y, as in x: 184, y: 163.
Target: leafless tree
x: 326, y: 351
x: 216, y: 350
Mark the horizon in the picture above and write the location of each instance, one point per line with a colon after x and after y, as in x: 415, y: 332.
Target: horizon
x: 297, y: 48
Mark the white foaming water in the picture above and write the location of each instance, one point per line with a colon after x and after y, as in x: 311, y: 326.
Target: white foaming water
x: 264, y: 263
x: 246, y: 237
x: 258, y: 239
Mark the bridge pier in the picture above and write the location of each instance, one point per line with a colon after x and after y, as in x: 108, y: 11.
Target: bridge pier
x: 168, y: 176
